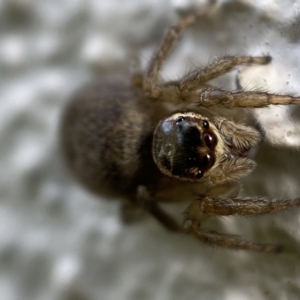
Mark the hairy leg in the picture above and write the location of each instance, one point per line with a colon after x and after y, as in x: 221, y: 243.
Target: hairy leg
x: 152, y: 86
x: 183, y: 88
x: 136, y: 73
x: 197, y: 78
x: 215, y: 97
x: 214, y: 206
x: 215, y: 238
x: 210, y: 237
x: 207, y: 206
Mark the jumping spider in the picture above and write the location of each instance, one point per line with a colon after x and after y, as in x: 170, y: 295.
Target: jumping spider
x: 150, y: 141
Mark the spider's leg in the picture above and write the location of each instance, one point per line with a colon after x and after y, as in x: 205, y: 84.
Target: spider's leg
x: 217, y: 206
x: 215, y: 238
x: 130, y: 212
x: 197, y: 78
x: 165, y: 219
x: 151, y: 84
x: 189, y: 88
x: 148, y: 203
x: 216, y: 97
x: 135, y: 69
x: 207, y: 206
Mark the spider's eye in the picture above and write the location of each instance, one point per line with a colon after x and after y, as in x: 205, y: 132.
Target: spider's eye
x: 210, y: 140
x: 207, y: 161
x: 179, y: 120
x: 205, y: 124
x: 200, y: 174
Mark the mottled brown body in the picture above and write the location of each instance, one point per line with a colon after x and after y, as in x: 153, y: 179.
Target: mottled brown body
x: 148, y: 141
x: 107, y: 136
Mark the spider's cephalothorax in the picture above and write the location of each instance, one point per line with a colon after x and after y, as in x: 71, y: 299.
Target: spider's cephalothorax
x: 188, y: 146
x: 121, y: 139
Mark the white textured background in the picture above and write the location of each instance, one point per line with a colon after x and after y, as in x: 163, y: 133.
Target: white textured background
x: 59, y: 242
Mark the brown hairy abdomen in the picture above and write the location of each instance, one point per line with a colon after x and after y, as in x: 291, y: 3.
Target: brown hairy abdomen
x: 107, y: 137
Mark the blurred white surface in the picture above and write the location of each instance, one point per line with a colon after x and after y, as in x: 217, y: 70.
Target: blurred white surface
x: 59, y: 242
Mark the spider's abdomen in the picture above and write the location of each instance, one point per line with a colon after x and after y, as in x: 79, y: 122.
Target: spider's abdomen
x: 107, y: 136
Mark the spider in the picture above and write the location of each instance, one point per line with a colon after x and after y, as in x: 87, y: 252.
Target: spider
x: 148, y: 141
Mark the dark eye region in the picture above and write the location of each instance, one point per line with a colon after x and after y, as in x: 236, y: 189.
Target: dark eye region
x: 192, y: 135
x: 184, y: 147
x: 187, y: 160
